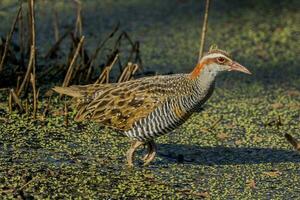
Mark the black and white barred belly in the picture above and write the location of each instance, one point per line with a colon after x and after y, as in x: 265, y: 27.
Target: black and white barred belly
x: 163, y: 119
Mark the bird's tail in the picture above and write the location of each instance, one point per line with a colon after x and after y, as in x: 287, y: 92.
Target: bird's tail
x: 81, y: 91
x: 72, y: 91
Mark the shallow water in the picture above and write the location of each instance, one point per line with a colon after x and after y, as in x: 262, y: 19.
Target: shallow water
x: 45, y: 159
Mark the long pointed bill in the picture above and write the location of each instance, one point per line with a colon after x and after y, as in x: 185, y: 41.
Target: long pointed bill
x: 234, y: 66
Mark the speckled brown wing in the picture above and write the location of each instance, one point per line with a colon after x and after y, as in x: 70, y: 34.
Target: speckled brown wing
x: 120, y: 105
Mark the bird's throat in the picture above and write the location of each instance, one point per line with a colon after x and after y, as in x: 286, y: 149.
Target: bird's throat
x: 204, y: 83
x: 199, y: 68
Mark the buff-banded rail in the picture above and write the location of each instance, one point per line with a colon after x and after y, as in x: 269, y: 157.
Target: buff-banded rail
x: 146, y: 108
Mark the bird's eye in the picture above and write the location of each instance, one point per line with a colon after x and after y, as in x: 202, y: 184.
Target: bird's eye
x: 221, y: 60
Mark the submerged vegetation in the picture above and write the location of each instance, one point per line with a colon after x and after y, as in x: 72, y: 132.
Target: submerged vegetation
x: 234, y: 149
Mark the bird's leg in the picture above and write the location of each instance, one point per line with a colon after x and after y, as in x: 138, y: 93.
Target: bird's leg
x: 130, y: 152
x: 151, y: 152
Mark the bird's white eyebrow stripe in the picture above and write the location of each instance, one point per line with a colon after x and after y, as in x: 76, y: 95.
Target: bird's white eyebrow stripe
x: 216, y: 55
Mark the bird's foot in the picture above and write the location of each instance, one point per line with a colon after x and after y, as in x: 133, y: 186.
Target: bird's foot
x: 131, y: 151
x: 151, y: 152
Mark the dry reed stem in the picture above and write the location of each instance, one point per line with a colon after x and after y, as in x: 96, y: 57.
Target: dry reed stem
x: 21, y: 36
x: 29, y: 70
x: 10, y: 102
x: 71, y: 68
x: 82, y: 65
x: 8, y: 38
x: 78, y: 24
x: 123, y: 74
x: 35, y: 95
x: 138, y: 58
x: 32, y: 29
x: 55, y: 25
x: 134, y: 50
x: 204, y: 29
x: 127, y: 73
x: 32, y: 20
x: 134, y: 68
x: 104, y: 76
x: 16, y: 99
x: 18, y: 83
x: 31, y: 64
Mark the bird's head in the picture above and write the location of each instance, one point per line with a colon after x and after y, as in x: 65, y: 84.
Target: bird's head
x: 216, y: 61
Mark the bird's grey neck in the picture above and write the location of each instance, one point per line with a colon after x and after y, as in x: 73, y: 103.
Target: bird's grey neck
x: 204, y: 82
x: 202, y: 88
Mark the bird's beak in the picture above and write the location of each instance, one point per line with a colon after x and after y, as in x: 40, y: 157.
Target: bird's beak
x: 234, y: 66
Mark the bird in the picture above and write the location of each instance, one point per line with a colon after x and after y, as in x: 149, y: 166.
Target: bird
x: 144, y: 109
